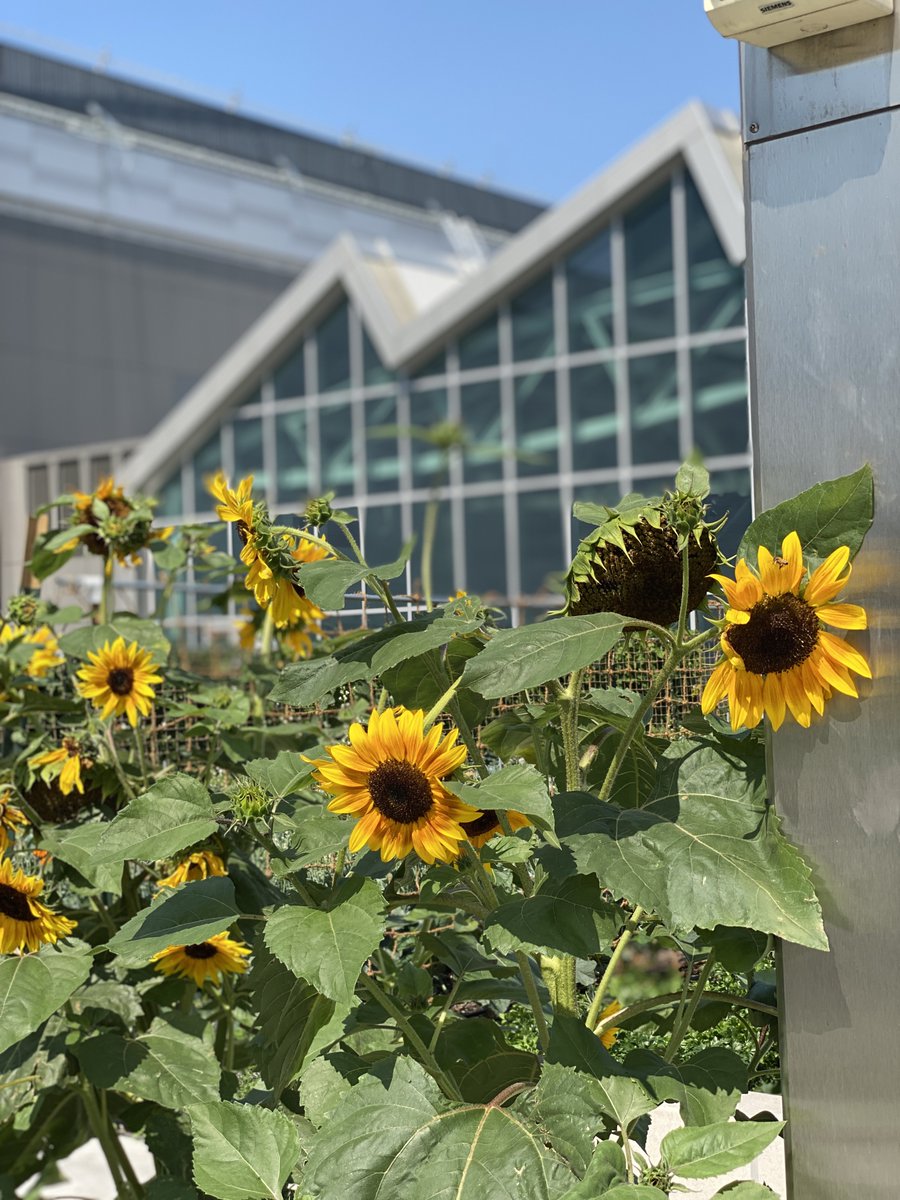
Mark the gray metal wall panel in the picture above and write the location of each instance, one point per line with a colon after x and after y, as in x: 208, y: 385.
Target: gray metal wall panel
x: 100, y: 337
x: 824, y: 220
x: 67, y: 86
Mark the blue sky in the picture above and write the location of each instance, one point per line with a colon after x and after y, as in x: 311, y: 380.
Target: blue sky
x: 534, y: 95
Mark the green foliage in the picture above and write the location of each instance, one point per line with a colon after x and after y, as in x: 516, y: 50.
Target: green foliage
x: 34, y: 986
x: 242, y: 1152
x: 174, y: 814
x: 177, y: 917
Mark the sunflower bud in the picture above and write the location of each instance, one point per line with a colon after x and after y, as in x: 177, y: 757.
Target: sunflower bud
x: 631, y: 562
x: 319, y: 511
x: 27, y: 610
x: 250, y: 800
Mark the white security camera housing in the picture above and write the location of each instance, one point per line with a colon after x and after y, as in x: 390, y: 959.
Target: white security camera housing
x: 774, y: 22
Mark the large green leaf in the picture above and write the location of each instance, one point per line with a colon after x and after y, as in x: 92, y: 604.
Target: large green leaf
x: 474, y: 1051
x: 302, y: 684
x: 327, y: 581
x: 401, y: 1141
x: 315, y: 834
x: 708, y: 1150
x: 826, y: 516
x: 282, y: 775
x: 175, y: 813
x: 631, y: 1191
x: 178, y: 917
x: 147, y: 634
x: 165, y: 1065
x: 242, y: 1152
x: 568, y: 915
x: 745, y: 1189
x: 526, y: 657
x: 606, y: 1168
x: 602, y: 1083
x: 518, y: 786
x: 707, y: 849
x: 291, y: 1013
x: 77, y: 846
x: 34, y: 986
x: 328, y: 947
x: 707, y: 1086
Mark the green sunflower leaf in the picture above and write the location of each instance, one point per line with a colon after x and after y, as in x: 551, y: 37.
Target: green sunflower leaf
x: 165, y: 1065
x: 826, y: 516
x: 77, y: 846
x: 147, y: 634
x: 181, y: 916
x: 606, y: 1168
x: 709, y: 1150
x: 175, y: 813
x: 631, y: 1191
x: 304, y: 683
x: 519, y: 787
x: 328, y: 947
x: 34, y: 986
x: 399, y: 1139
x: 327, y: 581
x: 569, y: 916
x: 707, y: 1086
x: 707, y: 849
x: 531, y: 655
x: 282, y: 775
x: 588, y: 1079
x: 745, y: 1189
x: 242, y: 1152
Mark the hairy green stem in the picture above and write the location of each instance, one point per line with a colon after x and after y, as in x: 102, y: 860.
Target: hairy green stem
x: 626, y: 936
x: 671, y: 999
x: 441, y: 1018
x: 429, y: 1062
x: 558, y: 971
x: 684, y: 1024
x: 117, y: 764
x: 568, y: 715
x: 534, y: 999
x: 141, y: 755
x: 442, y: 702
x: 428, y: 532
x: 268, y: 634
x: 106, y: 592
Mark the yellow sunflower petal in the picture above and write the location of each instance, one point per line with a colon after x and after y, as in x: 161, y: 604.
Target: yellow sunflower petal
x: 839, y: 651
x: 773, y: 700
x: 843, y: 616
x: 827, y: 580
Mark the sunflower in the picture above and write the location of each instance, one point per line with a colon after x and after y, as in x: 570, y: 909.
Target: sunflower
x: 47, y: 655
x: 25, y: 923
x: 208, y: 960
x: 389, y: 779
x: 12, y: 821
x: 483, y: 828
x: 236, y: 506
x: 199, y: 865
x: 119, y: 680
x: 778, y: 655
x: 608, y: 1036
x: 65, y: 762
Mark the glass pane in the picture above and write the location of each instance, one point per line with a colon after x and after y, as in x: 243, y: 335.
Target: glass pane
x: 207, y: 461
x: 382, y: 450
x: 38, y: 487
x: 100, y: 468
x: 333, y: 340
x: 483, y: 459
x: 255, y: 398
x: 485, y: 546
x: 537, y: 430
x: 595, y: 422
x: 721, y: 417
x: 532, y: 321
x: 336, y: 450
x: 69, y: 476
x: 374, y: 372
x: 427, y: 410
x: 170, y: 501
x: 289, y: 378
x: 248, y: 453
x: 649, y: 274
x: 730, y: 493
x: 540, y: 540
x: 292, y: 457
x: 383, y: 539
x: 654, y: 408
x: 716, y: 287
x: 434, y: 366
x: 589, y: 286
x: 443, y: 583
x: 481, y: 346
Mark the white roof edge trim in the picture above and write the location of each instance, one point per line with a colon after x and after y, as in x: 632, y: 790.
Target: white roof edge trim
x: 690, y: 134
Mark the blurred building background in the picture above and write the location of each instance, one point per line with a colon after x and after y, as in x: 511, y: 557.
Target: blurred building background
x: 186, y: 289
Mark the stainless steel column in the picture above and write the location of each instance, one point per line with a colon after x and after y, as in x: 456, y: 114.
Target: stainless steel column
x: 822, y: 175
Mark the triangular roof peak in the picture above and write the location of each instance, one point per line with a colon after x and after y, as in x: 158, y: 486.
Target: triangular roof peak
x: 406, y: 327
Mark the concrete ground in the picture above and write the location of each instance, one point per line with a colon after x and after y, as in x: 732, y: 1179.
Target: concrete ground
x: 86, y: 1176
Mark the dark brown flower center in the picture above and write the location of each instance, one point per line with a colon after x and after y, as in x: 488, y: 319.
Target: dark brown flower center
x: 243, y: 532
x: 298, y: 589
x: 201, y: 950
x: 400, y: 791
x: 488, y: 822
x: 782, y: 633
x: 121, y: 680
x: 14, y: 905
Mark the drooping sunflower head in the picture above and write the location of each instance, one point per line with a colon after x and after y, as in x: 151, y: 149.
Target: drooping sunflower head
x: 610, y: 1033
x: 118, y: 680
x: 483, y: 828
x: 26, y: 923
x: 631, y: 562
x: 120, y: 525
x: 778, y: 656
x: 12, y: 821
x: 236, y: 506
x: 199, y: 865
x: 389, y: 780
x: 41, y: 642
x: 204, y: 962
x: 63, y: 765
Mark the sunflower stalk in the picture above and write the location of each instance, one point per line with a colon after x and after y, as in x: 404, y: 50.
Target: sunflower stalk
x: 628, y: 932
x: 684, y: 1023
x: 268, y: 634
x: 106, y: 592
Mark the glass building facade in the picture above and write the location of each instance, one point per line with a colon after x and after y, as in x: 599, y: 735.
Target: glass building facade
x: 591, y: 379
